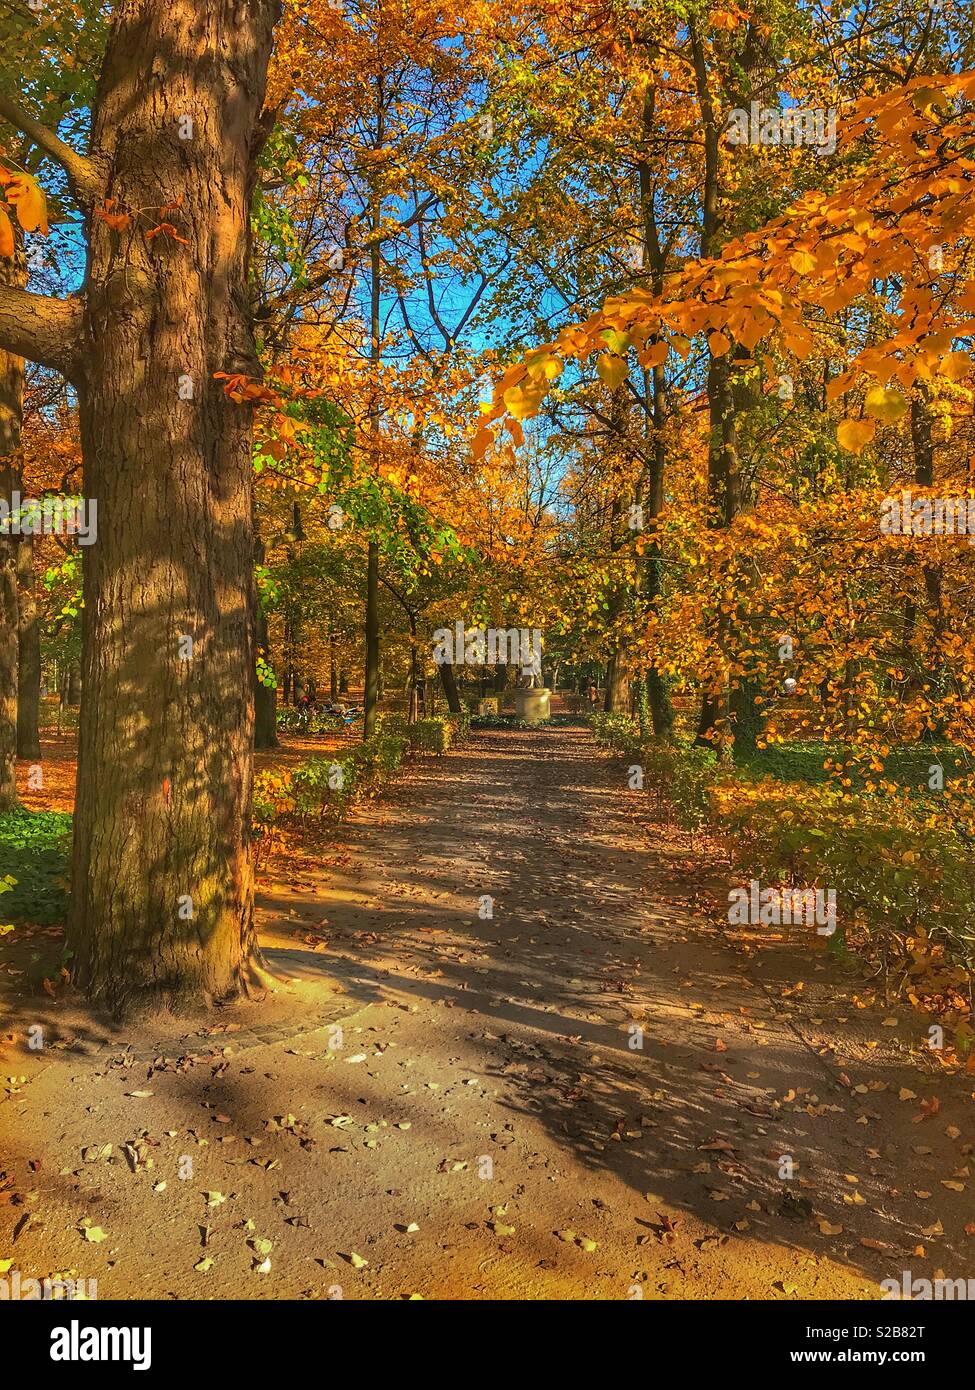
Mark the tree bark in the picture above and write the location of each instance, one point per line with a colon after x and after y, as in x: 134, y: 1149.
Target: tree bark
x: 449, y: 687
x: 12, y: 272
x: 162, y: 882
x: 372, y: 641
x: 29, y: 656
x: 265, y: 696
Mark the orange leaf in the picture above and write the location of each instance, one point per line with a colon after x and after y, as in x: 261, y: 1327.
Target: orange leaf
x: 27, y: 196
x: 116, y: 220
x: 6, y: 235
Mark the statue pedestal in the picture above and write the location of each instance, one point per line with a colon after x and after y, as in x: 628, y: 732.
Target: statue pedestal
x: 534, y: 706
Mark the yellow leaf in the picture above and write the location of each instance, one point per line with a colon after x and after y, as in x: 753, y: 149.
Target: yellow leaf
x: 546, y: 366
x: 718, y: 344
x: 854, y: 435
x: 885, y: 404
x: 616, y: 340
x: 612, y: 370
x: 521, y: 401
x: 802, y: 262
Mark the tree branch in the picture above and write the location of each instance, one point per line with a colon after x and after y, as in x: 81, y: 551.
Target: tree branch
x: 83, y: 175
x: 42, y: 329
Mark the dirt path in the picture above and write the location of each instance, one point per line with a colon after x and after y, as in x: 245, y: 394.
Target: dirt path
x: 490, y: 1122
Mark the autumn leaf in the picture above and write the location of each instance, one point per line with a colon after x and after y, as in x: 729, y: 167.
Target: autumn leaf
x: 855, y: 435
x: 885, y: 404
x: 6, y: 235
x: 613, y: 371
x: 956, y: 366
x: 27, y: 196
x: 117, y: 221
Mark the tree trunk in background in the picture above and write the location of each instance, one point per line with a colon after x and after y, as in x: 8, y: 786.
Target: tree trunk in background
x: 930, y: 668
x: 616, y: 696
x: 650, y: 568
x: 162, y: 880
x: 333, y: 671
x: 449, y: 687
x: 265, y: 696
x: 29, y: 656
x: 12, y: 272
x: 372, y: 641
x: 724, y: 485
x: 8, y: 666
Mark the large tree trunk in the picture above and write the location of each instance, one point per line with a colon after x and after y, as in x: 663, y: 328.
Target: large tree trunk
x: 12, y: 272
x: 8, y: 658
x: 162, y: 884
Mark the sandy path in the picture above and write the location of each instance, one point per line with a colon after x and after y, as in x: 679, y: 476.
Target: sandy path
x: 487, y: 1088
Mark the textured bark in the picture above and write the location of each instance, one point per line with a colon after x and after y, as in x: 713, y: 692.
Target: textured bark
x: 8, y: 661
x: 162, y: 896
x: 616, y: 697
x: 12, y: 273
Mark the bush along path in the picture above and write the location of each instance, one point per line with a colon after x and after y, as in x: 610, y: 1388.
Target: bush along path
x: 537, y: 1066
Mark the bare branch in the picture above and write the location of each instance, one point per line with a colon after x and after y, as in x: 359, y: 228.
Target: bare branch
x: 42, y: 328
x: 83, y: 176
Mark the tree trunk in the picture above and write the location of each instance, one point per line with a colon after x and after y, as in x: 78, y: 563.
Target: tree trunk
x: 449, y: 684
x: 372, y: 641
x: 29, y: 656
x: 265, y: 696
x: 616, y: 696
x: 162, y: 882
x: 12, y: 272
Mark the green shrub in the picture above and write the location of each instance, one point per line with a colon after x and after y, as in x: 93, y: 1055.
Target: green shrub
x: 436, y: 733
x: 620, y: 731
x: 35, y: 847
x: 804, y: 761
x: 894, y: 871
